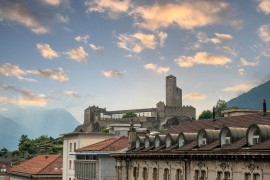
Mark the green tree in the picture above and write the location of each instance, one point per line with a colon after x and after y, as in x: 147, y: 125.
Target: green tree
x: 3, y: 152
x: 104, y: 130
x: 130, y: 115
x: 206, y: 114
x: 220, y: 106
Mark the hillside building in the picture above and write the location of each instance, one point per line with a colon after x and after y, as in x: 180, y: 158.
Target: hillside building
x: 151, y: 118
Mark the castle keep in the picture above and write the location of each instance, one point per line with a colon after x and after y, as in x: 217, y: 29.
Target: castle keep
x: 151, y: 118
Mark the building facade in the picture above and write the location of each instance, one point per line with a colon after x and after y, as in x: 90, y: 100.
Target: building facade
x: 151, y: 118
x: 229, y: 148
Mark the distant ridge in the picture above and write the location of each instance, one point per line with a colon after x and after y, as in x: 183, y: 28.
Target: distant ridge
x: 253, y: 99
x: 34, y: 123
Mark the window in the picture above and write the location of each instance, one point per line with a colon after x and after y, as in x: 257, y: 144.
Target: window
x: 155, y: 174
x: 203, y: 141
x: 70, y: 147
x: 227, y: 140
x: 247, y: 176
x: 219, y: 175
x: 69, y: 167
x: 256, y: 176
x: 255, y: 139
x: 196, y: 175
x: 226, y: 175
x: 166, y: 174
x: 179, y: 175
x: 203, y: 175
x: 145, y: 175
x: 135, y: 173
x: 75, y: 146
x: 85, y: 169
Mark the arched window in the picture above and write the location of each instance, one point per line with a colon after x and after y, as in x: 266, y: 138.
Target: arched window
x: 155, y: 174
x: 145, y: 173
x: 247, y: 176
x: 179, y: 174
x: 166, y: 174
x: 135, y: 173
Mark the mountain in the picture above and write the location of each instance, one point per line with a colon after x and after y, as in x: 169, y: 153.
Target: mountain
x: 34, y: 123
x: 253, y: 99
x: 10, y: 132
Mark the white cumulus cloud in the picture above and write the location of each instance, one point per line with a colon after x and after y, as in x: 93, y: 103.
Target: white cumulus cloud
x: 113, y: 73
x: 156, y: 68
x: 55, y: 74
x: 83, y: 39
x: 78, y: 54
x: 95, y: 48
x: 195, y: 96
x: 264, y: 33
x: 264, y: 6
x: 46, y: 51
x: 202, y: 58
x: 72, y: 93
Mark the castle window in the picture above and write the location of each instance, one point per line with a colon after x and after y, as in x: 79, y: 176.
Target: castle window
x: 247, y: 176
x: 155, y: 174
x: 145, y: 174
x: 166, y: 174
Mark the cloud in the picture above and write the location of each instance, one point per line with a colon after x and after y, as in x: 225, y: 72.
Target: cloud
x: 202, y: 58
x: 264, y: 6
x: 264, y: 33
x: 3, y: 108
x: 97, y: 49
x: 187, y: 14
x: 19, y: 12
x: 83, y: 39
x: 62, y: 18
x: 112, y: 7
x: 72, y: 93
x: 77, y: 54
x: 227, y: 49
x: 52, y: 2
x: 195, y: 96
x: 239, y: 87
x: 156, y: 68
x: 139, y: 41
x: 244, y: 62
x: 241, y: 72
x: 224, y: 36
x: 46, y: 51
x: 25, y: 97
x: 55, y: 74
x: 113, y: 73
x: 10, y: 70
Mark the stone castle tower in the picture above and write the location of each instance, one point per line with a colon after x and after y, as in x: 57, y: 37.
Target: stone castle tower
x: 173, y: 93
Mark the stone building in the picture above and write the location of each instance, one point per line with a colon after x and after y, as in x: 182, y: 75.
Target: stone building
x: 229, y: 148
x: 151, y: 118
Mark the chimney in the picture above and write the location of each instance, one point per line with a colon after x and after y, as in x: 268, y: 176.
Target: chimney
x: 264, y: 107
x: 214, y: 113
x: 132, y: 134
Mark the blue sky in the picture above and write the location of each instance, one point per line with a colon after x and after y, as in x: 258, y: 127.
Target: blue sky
x: 116, y: 53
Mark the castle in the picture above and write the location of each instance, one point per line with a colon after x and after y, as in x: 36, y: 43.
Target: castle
x: 151, y: 118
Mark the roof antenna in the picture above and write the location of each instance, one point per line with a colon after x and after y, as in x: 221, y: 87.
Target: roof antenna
x: 264, y: 107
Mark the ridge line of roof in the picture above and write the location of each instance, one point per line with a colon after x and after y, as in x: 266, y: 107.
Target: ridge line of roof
x: 49, y: 163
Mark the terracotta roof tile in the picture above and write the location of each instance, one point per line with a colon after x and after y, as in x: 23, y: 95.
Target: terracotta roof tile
x: 210, y: 146
x: 189, y: 146
x: 112, y: 144
x: 39, y: 164
x: 236, y: 145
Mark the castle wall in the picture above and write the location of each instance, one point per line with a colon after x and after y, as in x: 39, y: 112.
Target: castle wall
x: 173, y: 93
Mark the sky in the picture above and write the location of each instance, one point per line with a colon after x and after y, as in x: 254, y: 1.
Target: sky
x: 116, y: 54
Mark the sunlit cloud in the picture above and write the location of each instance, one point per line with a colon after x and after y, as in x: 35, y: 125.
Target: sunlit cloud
x: 264, y: 6
x: 224, y: 36
x: 55, y: 74
x: 83, y: 39
x: 241, y: 72
x: 156, y: 68
x: 97, y: 49
x: 3, y: 108
x: 46, y: 51
x: 139, y: 41
x: 25, y: 97
x: 239, y: 87
x: 201, y: 58
x: 51, y: 2
x: 244, y: 62
x: 112, y: 7
x: 187, y: 14
x: 195, y: 96
x: 113, y: 73
x: 227, y: 49
x: 72, y: 93
x: 18, y: 12
x: 264, y: 33
x: 10, y: 70
x: 62, y: 18
x: 78, y: 54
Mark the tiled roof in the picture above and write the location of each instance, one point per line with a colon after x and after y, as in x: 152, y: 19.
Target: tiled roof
x: 263, y: 145
x: 210, y: 146
x: 111, y: 144
x: 243, y: 121
x: 236, y: 145
x: 41, y: 164
x: 189, y: 146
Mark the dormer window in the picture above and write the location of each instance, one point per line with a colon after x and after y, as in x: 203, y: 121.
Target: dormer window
x: 181, y: 141
x: 138, y: 143
x: 207, y: 136
x: 227, y: 140
x: 146, y: 143
x: 157, y: 142
x: 168, y: 142
x: 203, y: 142
x: 253, y: 134
x: 229, y: 135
